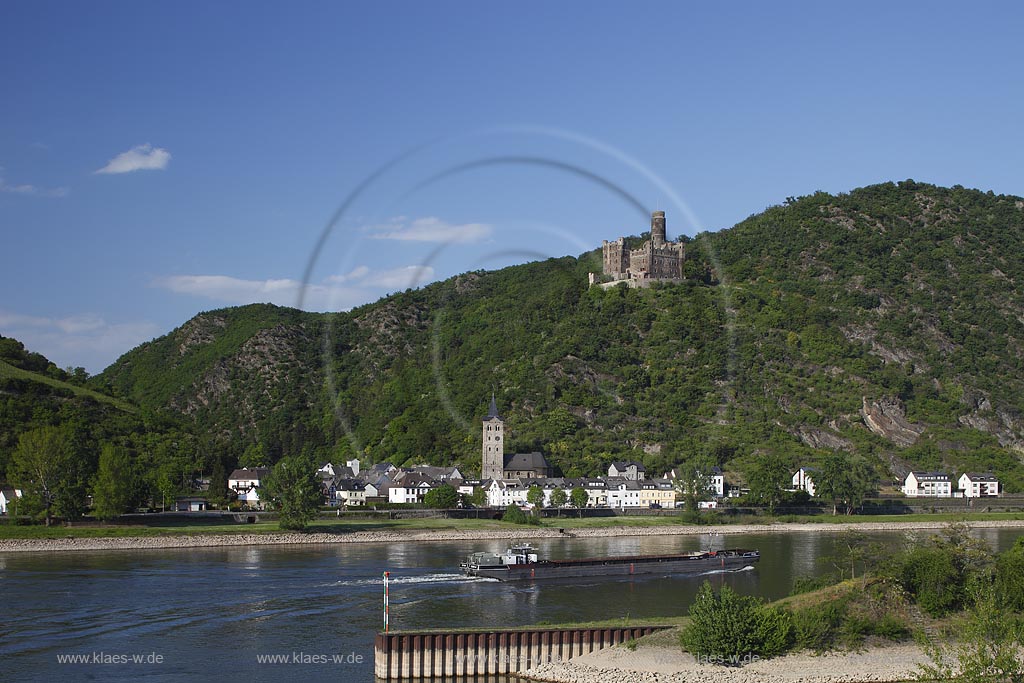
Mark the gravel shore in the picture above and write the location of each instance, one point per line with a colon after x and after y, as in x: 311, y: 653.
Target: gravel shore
x: 529, y: 533
x: 667, y: 663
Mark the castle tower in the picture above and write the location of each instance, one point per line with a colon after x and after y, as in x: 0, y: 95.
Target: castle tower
x: 658, y: 229
x: 493, y: 466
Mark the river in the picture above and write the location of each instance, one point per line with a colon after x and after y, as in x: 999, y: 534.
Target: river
x: 220, y: 613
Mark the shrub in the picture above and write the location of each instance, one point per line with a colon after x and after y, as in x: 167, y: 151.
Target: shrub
x: 727, y: 627
x: 891, y: 627
x: 516, y: 516
x: 1009, y: 577
x: 855, y: 628
x: 931, y: 576
x: 816, y: 627
x: 806, y: 584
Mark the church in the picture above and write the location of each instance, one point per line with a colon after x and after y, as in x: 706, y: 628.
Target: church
x: 497, y: 465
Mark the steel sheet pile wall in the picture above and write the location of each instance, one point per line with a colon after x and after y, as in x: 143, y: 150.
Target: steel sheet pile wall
x: 404, y: 656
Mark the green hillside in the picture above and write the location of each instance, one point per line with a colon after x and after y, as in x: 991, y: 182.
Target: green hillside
x: 895, y: 306
x: 35, y: 393
x: 10, y: 375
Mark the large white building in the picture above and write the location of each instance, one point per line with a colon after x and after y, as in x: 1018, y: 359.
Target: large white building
x: 928, y: 484
x: 979, y: 484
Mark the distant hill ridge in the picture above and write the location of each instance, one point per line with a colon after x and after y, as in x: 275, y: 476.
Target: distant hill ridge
x: 887, y: 321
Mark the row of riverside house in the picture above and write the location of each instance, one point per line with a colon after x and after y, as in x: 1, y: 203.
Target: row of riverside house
x: 920, y: 484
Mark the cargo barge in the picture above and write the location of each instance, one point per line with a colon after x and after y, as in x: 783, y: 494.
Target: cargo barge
x: 520, y: 563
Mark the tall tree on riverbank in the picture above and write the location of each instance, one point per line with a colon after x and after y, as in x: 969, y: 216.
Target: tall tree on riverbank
x: 115, y: 488
x: 442, y: 497
x: 293, y: 489
x: 49, y: 471
x: 844, y: 480
x: 535, y: 497
x: 579, y: 497
x: 767, y: 477
x: 693, y: 481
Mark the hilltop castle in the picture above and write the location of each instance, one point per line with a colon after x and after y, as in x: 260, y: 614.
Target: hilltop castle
x: 656, y: 260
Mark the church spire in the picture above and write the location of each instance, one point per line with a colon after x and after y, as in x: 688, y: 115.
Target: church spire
x: 493, y: 412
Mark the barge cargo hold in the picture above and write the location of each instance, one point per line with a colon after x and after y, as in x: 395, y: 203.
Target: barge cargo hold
x: 520, y: 563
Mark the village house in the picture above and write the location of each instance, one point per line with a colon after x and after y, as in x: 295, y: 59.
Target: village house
x: 246, y: 483
x: 597, y: 492
x: 634, y: 471
x: 8, y: 497
x: 353, y: 492
x: 929, y: 484
x: 449, y: 475
x: 655, y: 493
x: 803, y: 480
x: 329, y: 470
x: 504, y: 492
x: 645, y: 493
x: 716, y: 480
x: 623, y: 493
x: 979, y: 484
x: 410, y: 487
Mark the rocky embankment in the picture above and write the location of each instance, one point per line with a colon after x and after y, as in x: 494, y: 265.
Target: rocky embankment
x: 523, y: 534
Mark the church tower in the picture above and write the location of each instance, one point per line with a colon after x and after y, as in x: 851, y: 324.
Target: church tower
x: 494, y: 444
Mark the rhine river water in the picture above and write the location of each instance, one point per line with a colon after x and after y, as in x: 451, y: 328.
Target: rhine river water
x: 221, y: 613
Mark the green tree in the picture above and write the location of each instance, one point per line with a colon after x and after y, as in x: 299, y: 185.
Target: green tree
x: 442, y: 497
x: 559, y: 498
x: 987, y: 647
x: 843, y: 480
x: 942, y: 574
x: 726, y: 627
x: 49, y: 472
x: 115, y: 488
x: 535, y: 497
x: 579, y: 498
x: 514, y: 515
x: 167, y: 482
x: 478, y: 498
x: 293, y: 488
x: 853, y: 550
x: 1009, y: 578
x: 218, y: 491
x: 767, y: 477
x: 255, y: 455
x: 693, y: 482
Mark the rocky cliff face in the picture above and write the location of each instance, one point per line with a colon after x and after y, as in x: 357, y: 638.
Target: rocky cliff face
x: 887, y: 418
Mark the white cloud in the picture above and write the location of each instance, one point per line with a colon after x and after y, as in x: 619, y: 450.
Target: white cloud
x: 32, y: 190
x: 141, y: 158
x: 396, y: 278
x: 431, y: 229
x: 336, y: 293
x: 87, y: 339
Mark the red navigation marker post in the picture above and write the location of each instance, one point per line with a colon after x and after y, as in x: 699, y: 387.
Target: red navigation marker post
x: 386, y: 575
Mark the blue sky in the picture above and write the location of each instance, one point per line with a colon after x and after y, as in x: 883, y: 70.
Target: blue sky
x: 158, y: 159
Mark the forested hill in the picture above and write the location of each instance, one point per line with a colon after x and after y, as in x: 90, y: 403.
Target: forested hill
x: 887, y: 322
x: 35, y: 393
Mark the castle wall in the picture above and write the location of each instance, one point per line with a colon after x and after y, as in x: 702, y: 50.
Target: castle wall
x: 616, y: 258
